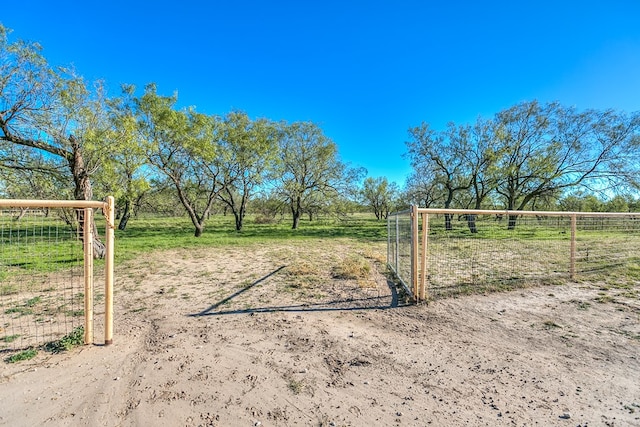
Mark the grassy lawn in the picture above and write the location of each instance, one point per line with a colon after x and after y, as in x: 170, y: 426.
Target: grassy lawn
x: 152, y: 233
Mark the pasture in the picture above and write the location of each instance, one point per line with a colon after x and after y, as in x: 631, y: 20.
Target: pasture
x: 279, y: 327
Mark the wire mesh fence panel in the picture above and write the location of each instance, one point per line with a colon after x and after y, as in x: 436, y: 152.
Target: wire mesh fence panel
x: 486, y: 253
x: 399, y: 246
x: 41, y: 277
x: 607, y: 248
x: 474, y: 251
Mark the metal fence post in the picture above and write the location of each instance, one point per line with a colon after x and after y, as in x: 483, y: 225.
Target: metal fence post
x: 396, y: 260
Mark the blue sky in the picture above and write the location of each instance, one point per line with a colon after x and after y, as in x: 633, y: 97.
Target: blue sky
x: 365, y: 71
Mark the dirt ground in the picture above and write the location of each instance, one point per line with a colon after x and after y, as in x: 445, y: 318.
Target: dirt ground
x: 274, y: 335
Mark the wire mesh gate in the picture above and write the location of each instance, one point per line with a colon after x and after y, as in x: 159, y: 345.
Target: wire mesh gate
x: 439, y: 251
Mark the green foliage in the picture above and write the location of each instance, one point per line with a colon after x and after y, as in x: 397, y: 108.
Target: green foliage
x: 379, y: 194
x: 22, y: 356
x: 525, y: 158
x: 296, y: 387
x: 188, y: 148
x: 33, y: 301
x: 26, y: 308
x: 73, y: 339
x: 10, y: 338
x: 310, y: 175
x: 22, y: 311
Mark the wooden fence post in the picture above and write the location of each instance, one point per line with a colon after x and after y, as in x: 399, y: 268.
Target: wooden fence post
x: 425, y: 255
x: 88, y: 275
x: 108, y: 266
x: 414, y: 251
x: 572, y: 256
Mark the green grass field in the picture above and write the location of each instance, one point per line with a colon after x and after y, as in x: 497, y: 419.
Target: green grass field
x: 153, y: 233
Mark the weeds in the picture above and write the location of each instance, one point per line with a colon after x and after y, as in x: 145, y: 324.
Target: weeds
x: 22, y: 356
x: 10, y: 338
x: 582, y: 305
x: 73, y: 339
x: 33, y: 301
x: 604, y: 298
x: 296, y: 386
x: 9, y: 289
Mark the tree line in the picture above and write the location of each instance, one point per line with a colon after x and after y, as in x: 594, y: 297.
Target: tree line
x: 64, y: 137
x: 531, y: 156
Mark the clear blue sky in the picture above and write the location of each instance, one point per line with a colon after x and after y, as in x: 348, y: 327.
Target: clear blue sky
x: 365, y: 71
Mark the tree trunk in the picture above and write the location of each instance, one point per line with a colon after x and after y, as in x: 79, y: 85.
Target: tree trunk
x: 296, y: 212
x: 448, y: 217
x: 471, y: 222
x: 83, y: 191
x: 239, y: 213
x: 126, y: 214
x: 447, y: 222
x: 23, y: 212
x: 512, y: 222
x: 238, y: 218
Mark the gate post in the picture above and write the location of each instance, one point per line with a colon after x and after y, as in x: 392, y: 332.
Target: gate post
x: 425, y: 255
x: 414, y: 251
x: 396, y: 265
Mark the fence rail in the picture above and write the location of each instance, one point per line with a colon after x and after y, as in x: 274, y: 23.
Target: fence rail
x: 47, y: 270
x: 442, y: 251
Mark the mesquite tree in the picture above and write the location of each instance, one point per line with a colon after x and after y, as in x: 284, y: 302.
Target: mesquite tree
x: 309, y: 168
x: 50, y: 111
x: 378, y: 194
x: 442, y: 155
x: 187, y: 147
x: 253, y: 151
x: 546, y: 149
x: 528, y: 153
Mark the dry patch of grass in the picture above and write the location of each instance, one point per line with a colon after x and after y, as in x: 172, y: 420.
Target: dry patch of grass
x: 354, y: 266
